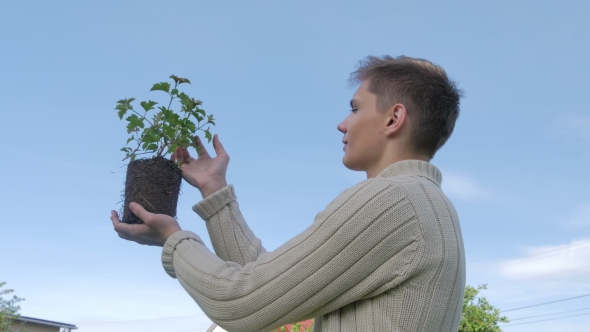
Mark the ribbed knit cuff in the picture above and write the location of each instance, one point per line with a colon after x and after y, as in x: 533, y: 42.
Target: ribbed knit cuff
x: 170, y: 246
x: 212, y: 204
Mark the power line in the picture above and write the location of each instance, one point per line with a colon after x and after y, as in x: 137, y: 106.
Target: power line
x: 544, y: 320
x: 519, y: 261
x: 536, y: 305
x: 551, y: 314
x: 585, y: 267
x: 483, y: 267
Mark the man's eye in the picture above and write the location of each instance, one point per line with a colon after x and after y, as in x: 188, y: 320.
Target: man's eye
x: 354, y: 109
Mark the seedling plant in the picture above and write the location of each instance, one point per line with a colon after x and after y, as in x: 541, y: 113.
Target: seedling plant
x: 157, y: 131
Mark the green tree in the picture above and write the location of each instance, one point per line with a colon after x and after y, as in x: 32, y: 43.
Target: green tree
x: 8, y: 308
x: 478, y: 314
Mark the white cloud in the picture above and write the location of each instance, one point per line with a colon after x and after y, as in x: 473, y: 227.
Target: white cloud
x: 551, y: 262
x: 463, y: 188
x: 540, y: 275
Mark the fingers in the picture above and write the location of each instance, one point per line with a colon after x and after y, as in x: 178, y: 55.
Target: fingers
x: 121, y: 228
x: 201, y: 150
x: 141, y: 213
x: 178, y: 155
x: 147, y: 233
x: 181, y: 155
x: 219, y: 150
x: 186, y: 155
x: 115, y: 218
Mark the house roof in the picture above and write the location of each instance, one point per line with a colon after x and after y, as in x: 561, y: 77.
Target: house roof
x: 45, y: 322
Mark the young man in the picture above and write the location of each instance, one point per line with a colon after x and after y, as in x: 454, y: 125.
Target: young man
x: 385, y: 255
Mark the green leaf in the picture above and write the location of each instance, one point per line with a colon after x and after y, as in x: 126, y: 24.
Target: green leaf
x: 172, y: 148
x: 130, y: 139
x: 202, y: 111
x: 190, y: 125
x: 208, y: 135
x: 174, y: 92
x: 179, y: 80
x: 162, y: 86
x: 197, y: 116
x: 185, y: 100
x: 134, y: 122
x: 184, y: 141
x: 122, y: 110
x: 151, y: 135
x: 168, y: 130
x: 126, y: 101
x: 149, y: 139
x: 148, y: 105
x: 171, y: 117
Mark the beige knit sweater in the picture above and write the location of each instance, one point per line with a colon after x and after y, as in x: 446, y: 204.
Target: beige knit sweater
x: 385, y: 255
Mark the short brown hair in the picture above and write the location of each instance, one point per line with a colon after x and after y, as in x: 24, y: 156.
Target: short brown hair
x: 430, y: 97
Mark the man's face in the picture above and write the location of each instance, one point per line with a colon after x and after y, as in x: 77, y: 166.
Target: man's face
x: 363, y: 130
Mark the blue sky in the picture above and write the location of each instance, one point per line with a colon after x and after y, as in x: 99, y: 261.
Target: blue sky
x: 274, y: 74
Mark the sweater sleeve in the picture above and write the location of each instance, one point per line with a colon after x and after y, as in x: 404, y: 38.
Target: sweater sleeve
x: 365, y: 242
x: 231, y: 237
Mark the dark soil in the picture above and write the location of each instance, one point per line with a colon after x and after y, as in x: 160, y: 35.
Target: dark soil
x: 154, y: 183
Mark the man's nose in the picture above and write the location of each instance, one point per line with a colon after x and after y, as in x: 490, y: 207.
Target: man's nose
x: 341, y: 127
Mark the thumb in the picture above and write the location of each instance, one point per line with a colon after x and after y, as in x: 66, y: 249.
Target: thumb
x: 140, y: 212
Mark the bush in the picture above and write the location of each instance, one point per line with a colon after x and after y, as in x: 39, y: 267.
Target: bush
x: 8, y: 309
x: 478, y: 314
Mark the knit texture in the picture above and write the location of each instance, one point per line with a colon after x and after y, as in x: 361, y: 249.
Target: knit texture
x: 385, y: 255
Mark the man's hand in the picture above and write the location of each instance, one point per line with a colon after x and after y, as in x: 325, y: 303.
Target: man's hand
x: 154, y: 232
x: 205, y: 173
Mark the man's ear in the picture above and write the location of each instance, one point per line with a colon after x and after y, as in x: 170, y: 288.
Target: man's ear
x: 396, y: 118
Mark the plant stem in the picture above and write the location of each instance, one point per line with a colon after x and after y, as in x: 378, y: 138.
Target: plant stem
x: 172, y: 96
x: 166, y: 144
x: 154, y: 126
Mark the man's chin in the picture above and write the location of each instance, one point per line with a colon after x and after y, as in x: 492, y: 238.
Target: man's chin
x: 350, y: 165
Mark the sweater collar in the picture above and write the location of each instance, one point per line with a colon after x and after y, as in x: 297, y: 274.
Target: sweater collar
x: 412, y: 167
